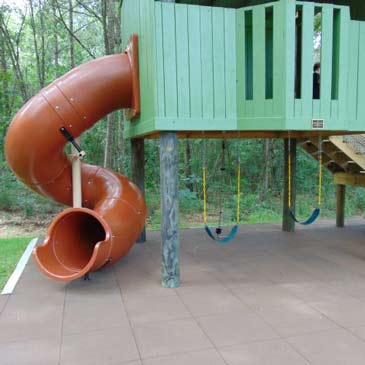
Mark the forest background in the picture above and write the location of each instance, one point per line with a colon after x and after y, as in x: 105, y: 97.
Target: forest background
x: 41, y: 40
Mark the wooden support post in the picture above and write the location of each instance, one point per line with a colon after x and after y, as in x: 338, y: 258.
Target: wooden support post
x: 340, y: 208
x: 138, y: 172
x: 288, y: 223
x: 169, y: 210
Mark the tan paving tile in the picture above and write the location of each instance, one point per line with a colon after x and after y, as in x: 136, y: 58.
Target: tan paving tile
x: 294, y: 318
x: 155, y: 309
x: 100, y: 308
x: 336, y: 347
x: 33, y: 281
x: 44, y: 351
x: 359, y: 332
x: 219, y: 300
x: 109, y: 346
x: 30, y: 316
x: 169, y: 337
x: 235, y: 328
x: 255, y: 295
x: 206, y: 357
x: 346, y: 311
x: 275, y: 352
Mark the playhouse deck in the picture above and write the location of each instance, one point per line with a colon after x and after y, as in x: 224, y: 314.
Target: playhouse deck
x: 269, y: 297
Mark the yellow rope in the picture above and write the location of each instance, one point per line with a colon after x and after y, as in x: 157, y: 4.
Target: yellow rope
x: 205, y: 194
x: 238, y: 191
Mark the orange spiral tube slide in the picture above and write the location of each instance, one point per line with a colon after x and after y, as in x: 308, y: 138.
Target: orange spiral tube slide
x: 79, y: 240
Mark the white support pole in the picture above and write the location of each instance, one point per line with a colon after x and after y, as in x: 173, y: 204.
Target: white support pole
x: 76, y: 177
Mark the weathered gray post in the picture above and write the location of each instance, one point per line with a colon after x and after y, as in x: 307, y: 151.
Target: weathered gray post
x: 169, y: 156
x: 138, y: 171
x: 340, y: 208
x: 288, y: 222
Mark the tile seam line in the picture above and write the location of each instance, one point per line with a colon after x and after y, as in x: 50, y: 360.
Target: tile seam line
x: 129, y: 320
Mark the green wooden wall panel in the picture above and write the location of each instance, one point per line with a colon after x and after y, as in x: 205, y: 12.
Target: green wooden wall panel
x: 182, y: 59
x: 278, y: 71
x: 138, y: 17
x: 160, y: 74
x: 258, y: 19
x: 230, y: 62
x: 219, y: 63
x: 343, y: 62
x: 240, y: 61
x: 195, y: 64
x: 206, y: 29
x: 326, y: 61
x: 289, y: 49
x: 307, y: 60
x: 169, y: 55
x: 361, y: 78
x: 352, y: 82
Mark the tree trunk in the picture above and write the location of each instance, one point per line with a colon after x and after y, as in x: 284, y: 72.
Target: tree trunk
x: 112, y: 42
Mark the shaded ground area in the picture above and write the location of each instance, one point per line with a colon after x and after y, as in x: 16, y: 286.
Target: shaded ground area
x: 268, y: 298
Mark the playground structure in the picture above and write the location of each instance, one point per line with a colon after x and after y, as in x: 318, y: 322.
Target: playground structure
x: 110, y: 213
x: 239, y: 69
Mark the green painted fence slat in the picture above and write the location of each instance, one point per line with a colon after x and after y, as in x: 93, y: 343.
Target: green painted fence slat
x: 307, y: 60
x: 240, y: 61
x: 353, y: 71
x: 343, y: 62
x: 206, y: 42
x: 182, y: 59
x: 326, y: 61
x: 258, y: 19
x: 219, y: 63
x: 278, y: 62
x: 195, y: 65
x: 230, y: 57
x: 289, y: 49
x: 160, y: 72
x: 361, y: 77
x: 169, y: 53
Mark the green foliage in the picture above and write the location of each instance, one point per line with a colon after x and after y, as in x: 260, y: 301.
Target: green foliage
x: 11, y: 250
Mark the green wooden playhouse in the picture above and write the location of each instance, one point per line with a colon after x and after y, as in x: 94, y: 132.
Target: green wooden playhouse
x: 237, y: 69
x: 235, y: 66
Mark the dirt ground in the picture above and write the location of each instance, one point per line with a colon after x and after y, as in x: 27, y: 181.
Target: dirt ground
x: 17, y: 225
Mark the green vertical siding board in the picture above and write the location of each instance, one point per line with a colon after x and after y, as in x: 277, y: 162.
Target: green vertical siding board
x: 230, y: 57
x: 344, y: 66
x: 307, y: 60
x: 160, y: 72
x: 206, y: 40
x: 182, y: 59
x: 278, y: 61
x: 258, y: 19
x: 289, y: 50
x: 353, y: 71
x: 169, y: 55
x: 361, y: 79
x: 145, y: 91
x: 240, y: 61
x: 326, y: 61
x: 219, y: 63
x: 195, y: 62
